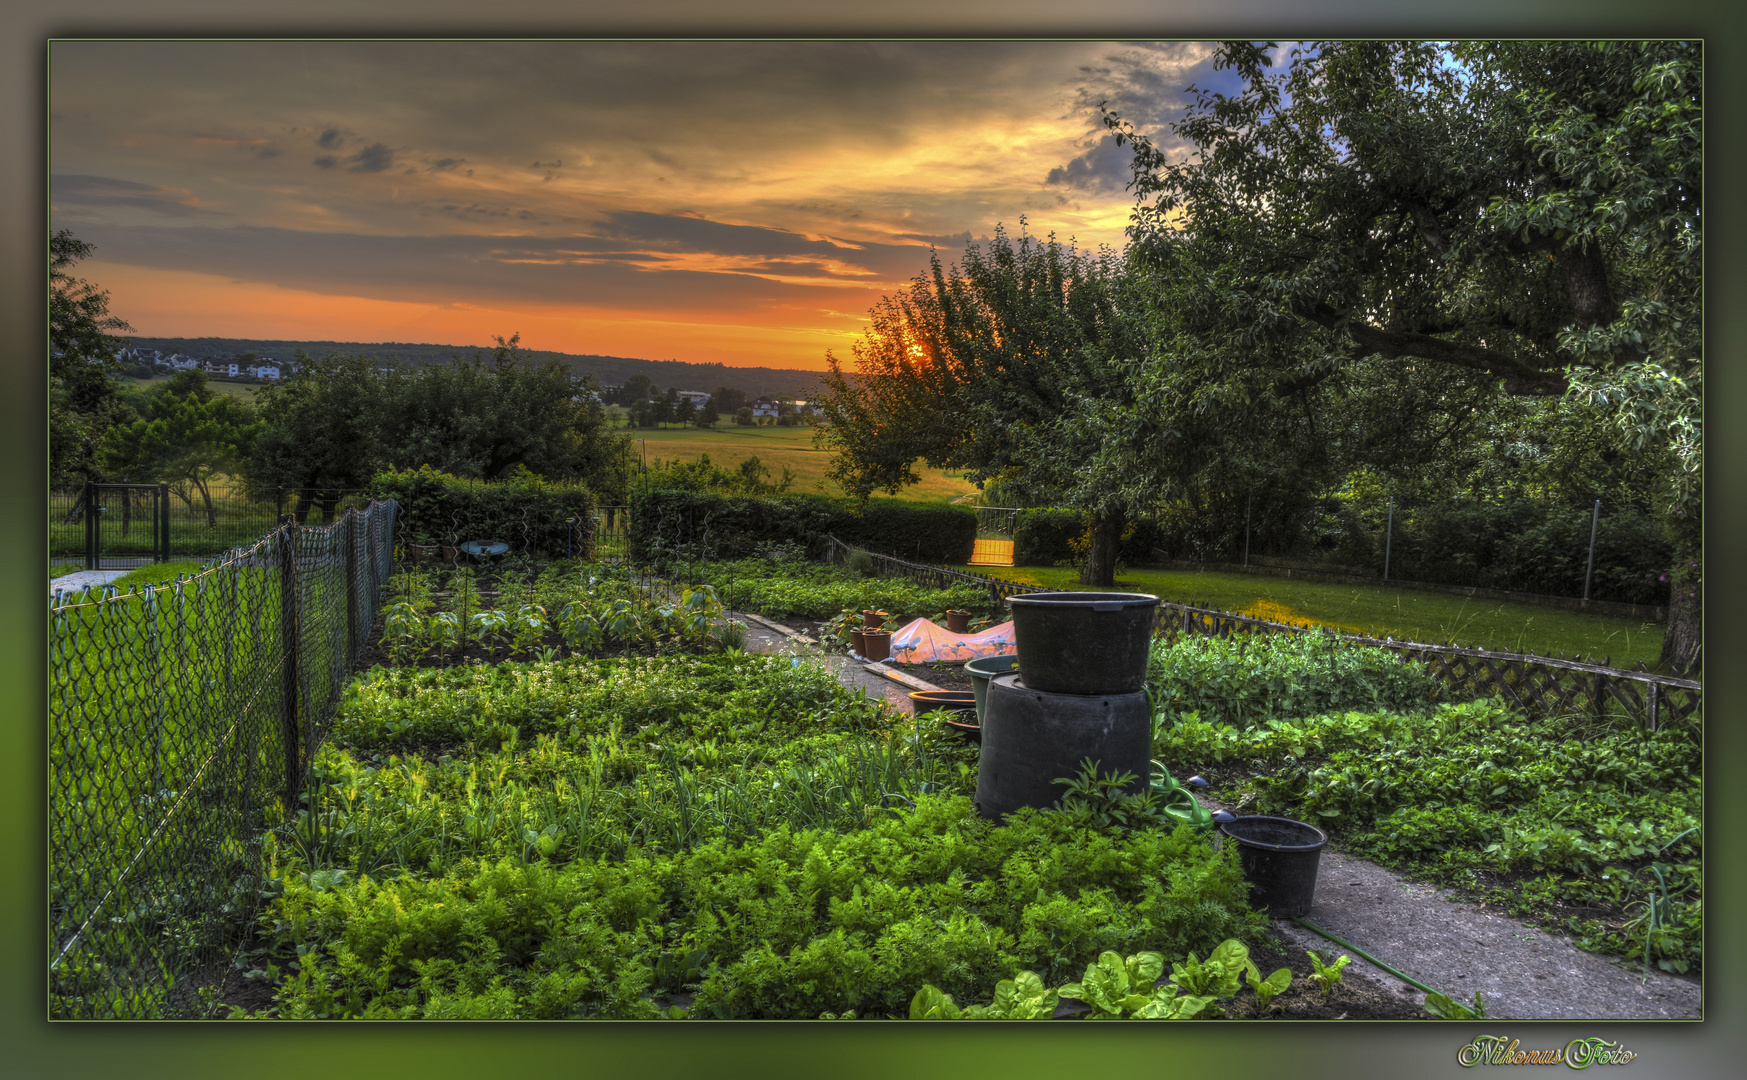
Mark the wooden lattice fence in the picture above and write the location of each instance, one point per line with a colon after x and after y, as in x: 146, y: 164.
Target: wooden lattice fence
x: 1543, y: 685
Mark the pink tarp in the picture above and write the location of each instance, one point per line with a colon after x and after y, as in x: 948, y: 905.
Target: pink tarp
x: 923, y: 642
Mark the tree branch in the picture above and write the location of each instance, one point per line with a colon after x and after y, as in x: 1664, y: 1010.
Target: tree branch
x: 1524, y: 378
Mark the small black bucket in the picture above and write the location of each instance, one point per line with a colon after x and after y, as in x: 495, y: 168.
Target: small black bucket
x: 1279, y: 858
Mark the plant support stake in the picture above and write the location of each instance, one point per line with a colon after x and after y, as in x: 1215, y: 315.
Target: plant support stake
x: 1388, y: 537
x: 1589, y: 571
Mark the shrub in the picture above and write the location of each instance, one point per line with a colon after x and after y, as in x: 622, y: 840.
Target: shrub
x: 693, y: 524
x: 1254, y: 680
x: 1046, y: 537
x: 526, y: 512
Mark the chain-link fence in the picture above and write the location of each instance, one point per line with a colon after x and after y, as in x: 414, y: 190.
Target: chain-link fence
x: 181, y: 722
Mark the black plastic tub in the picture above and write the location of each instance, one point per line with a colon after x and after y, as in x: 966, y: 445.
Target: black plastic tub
x: 1279, y: 857
x: 1030, y: 739
x: 1083, y: 642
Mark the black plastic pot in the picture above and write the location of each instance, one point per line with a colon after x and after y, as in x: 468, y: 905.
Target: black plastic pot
x: 1083, y: 642
x: 984, y: 668
x: 1279, y: 857
x: 959, y: 701
x: 1031, y: 738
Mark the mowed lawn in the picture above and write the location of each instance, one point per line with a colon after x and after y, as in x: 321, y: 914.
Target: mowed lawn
x: 243, y: 391
x: 1403, y: 614
x: 776, y: 447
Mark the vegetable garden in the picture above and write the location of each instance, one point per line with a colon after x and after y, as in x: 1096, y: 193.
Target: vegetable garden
x: 563, y: 790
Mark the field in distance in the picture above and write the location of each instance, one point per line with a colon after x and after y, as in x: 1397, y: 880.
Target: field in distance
x: 776, y: 447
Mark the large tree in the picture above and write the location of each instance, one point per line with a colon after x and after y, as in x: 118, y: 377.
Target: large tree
x: 338, y: 421
x: 187, y: 436
x: 1011, y: 365
x: 1521, y: 218
x: 84, y: 401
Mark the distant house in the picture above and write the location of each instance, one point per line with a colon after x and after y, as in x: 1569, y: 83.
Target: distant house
x: 219, y: 366
x: 696, y: 397
x: 764, y: 407
x: 264, y: 370
x: 178, y: 362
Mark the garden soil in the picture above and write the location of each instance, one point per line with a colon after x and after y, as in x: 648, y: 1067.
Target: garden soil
x: 1521, y: 972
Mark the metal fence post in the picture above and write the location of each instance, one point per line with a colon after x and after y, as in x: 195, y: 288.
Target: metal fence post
x: 288, y: 645
x: 90, y: 525
x: 164, y: 521
x: 1388, y: 538
x: 1589, y: 571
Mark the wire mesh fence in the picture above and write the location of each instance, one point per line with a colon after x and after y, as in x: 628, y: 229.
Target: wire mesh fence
x: 202, y: 520
x: 181, y: 722
x: 1543, y: 685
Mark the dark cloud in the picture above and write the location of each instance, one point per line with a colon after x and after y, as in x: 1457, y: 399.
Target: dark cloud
x: 330, y: 140
x: 1102, y: 169
x: 445, y: 269
x: 376, y: 157
x: 78, y: 190
x: 677, y: 233
x: 267, y: 151
x: 446, y: 163
x: 327, y: 162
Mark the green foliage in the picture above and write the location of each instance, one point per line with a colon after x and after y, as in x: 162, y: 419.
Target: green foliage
x: 1266, y: 990
x: 1327, y: 976
x: 1253, y: 680
x: 537, y: 518
x: 1574, y: 817
x: 701, y: 524
x: 1445, y: 1008
x: 1046, y: 537
x: 781, y: 589
x: 1219, y: 976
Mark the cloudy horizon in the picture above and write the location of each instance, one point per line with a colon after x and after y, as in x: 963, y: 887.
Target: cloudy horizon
x: 734, y: 202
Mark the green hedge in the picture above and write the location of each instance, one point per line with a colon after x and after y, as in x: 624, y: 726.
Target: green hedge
x: 525, y: 512
x: 1046, y: 538
x: 697, y: 524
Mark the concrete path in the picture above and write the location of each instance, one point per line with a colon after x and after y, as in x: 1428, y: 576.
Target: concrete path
x: 83, y: 579
x: 1521, y: 971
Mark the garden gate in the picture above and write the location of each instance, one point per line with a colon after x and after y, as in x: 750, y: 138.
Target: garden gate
x: 994, y: 543
x: 113, y: 539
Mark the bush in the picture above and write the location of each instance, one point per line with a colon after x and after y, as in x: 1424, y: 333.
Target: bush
x: 1532, y: 548
x: 1254, y: 680
x: 929, y: 534
x: 690, y: 524
x: 526, y: 512
x: 1046, y: 537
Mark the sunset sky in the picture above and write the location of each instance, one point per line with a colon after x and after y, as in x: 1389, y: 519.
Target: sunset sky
x: 741, y: 202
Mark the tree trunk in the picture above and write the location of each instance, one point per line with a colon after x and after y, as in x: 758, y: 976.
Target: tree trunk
x: 1682, y: 641
x: 1100, y: 568
x: 211, y: 512
x: 328, y: 502
x: 301, y: 510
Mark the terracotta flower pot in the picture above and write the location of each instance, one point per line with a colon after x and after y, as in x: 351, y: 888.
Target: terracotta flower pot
x: 958, y: 622
x: 857, y: 642
x: 879, y: 644
x: 872, y: 620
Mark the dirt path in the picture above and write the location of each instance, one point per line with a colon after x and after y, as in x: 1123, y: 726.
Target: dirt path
x: 1521, y: 972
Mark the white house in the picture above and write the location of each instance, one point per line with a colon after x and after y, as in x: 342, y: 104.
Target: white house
x: 264, y: 370
x: 764, y: 407
x: 696, y: 397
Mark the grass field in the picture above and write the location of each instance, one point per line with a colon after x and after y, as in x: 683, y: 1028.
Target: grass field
x: 1404, y: 614
x: 776, y: 447
x: 244, y: 391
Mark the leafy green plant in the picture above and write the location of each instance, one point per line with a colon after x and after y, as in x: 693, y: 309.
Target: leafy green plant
x: 1446, y: 1008
x: 1219, y: 976
x: 1266, y: 990
x: 1099, y: 801
x: 1327, y: 976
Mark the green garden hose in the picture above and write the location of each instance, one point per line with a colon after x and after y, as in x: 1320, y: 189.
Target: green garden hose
x: 1403, y: 976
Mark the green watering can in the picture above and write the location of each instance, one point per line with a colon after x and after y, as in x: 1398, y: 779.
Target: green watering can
x: 1179, y: 803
